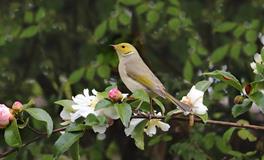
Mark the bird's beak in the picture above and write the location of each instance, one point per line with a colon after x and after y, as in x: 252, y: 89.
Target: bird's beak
x: 112, y: 45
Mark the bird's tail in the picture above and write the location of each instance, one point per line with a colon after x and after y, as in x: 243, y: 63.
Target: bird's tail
x: 184, y: 107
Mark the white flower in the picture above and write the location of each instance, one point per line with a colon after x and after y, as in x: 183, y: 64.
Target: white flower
x: 261, y: 38
x: 150, y: 128
x: 83, y: 105
x: 257, y: 59
x: 153, y: 124
x: 133, y: 123
x: 100, y: 128
x: 195, y: 99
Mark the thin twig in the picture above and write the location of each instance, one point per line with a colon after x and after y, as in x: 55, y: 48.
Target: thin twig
x: 31, y: 141
x: 215, y: 122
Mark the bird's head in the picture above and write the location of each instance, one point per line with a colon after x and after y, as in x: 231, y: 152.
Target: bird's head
x: 124, y: 49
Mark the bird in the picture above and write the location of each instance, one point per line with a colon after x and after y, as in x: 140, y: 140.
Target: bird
x: 136, y: 75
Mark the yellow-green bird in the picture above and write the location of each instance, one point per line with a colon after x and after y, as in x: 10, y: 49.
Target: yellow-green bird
x: 136, y: 75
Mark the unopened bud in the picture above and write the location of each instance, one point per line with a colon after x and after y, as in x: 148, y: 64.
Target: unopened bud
x: 115, y: 95
x: 5, y: 116
x: 238, y: 99
x: 17, y: 106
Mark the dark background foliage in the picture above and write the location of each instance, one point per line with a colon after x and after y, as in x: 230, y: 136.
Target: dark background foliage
x: 53, y: 49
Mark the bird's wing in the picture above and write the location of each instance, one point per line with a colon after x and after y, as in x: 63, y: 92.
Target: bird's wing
x: 143, y: 75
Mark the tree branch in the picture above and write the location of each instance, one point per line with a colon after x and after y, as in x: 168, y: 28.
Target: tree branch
x: 215, y: 122
x: 31, y: 141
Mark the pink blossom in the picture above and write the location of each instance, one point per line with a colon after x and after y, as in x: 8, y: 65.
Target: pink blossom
x: 5, y: 116
x: 115, y: 95
x: 17, y: 106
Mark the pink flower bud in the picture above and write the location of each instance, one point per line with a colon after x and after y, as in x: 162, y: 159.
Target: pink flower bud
x: 5, y: 116
x: 17, y: 106
x: 115, y: 95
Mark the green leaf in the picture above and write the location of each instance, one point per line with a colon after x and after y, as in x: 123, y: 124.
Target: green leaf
x: 228, y: 134
x: 138, y: 134
x: 41, y: 115
x: 100, y: 30
x: 226, y: 77
x: 142, y: 8
x: 125, y: 112
x: 235, y: 50
x: 250, y: 49
x: 239, y: 31
x: 141, y: 95
x: 76, y: 75
x: 124, y: 19
x: 152, y: 16
x: 174, y: 11
x: 219, y: 54
x: 40, y: 14
x: 260, y: 68
x: 67, y: 104
x: 91, y: 120
x: 246, y: 135
x: 188, y: 71
x: 209, y: 140
x: 12, y: 135
x: 75, y: 151
x: 175, y: 2
x: 90, y: 72
x: 203, y: 117
x: 65, y: 141
x: 224, y: 27
x: 258, y: 98
x: 239, y: 109
x: 28, y: 17
x: 104, y: 103
x: 203, y: 85
x: 174, y: 24
x: 75, y: 127
x: 29, y: 31
x: 104, y: 71
x: 196, y: 60
x: 160, y: 104
x: 113, y: 24
x: 130, y: 2
x: 251, y: 35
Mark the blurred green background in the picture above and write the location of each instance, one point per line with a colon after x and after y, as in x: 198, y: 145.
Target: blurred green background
x: 53, y: 49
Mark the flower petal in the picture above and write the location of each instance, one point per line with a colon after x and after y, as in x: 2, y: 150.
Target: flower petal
x: 100, y: 129
x: 257, y: 58
x: 163, y: 126
x: 133, y: 123
x: 195, y: 94
x: 151, y: 128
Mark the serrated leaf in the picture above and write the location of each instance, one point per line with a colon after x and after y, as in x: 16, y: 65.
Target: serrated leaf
x: 224, y: 27
x: 12, y: 135
x: 29, y: 32
x: 152, y: 16
x: 188, y: 71
x: 41, y: 115
x: 219, y: 53
x: 65, y: 141
x: 76, y: 75
x: 138, y: 134
x: 125, y: 112
x: 102, y: 104
x: 203, y: 85
x: 160, y: 104
x: 141, y: 95
x: 100, y: 30
x: 226, y: 77
x: 239, y: 109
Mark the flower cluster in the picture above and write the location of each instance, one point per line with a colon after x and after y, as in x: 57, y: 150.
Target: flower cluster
x: 7, y: 114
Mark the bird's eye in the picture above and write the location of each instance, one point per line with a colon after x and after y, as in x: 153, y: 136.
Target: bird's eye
x: 123, y: 46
